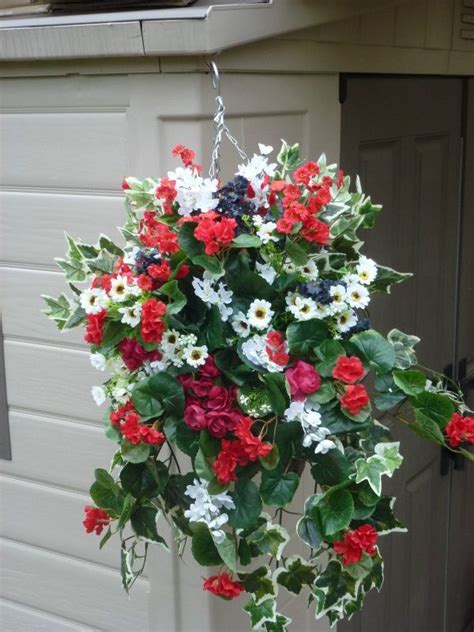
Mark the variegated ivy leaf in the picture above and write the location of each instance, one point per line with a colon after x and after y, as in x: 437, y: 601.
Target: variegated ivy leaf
x: 280, y: 625
x: 65, y: 311
x: 262, y: 612
x: 270, y: 539
x: 74, y: 269
x: 403, y: 345
x: 295, y: 574
x: 385, y: 461
x: 260, y: 584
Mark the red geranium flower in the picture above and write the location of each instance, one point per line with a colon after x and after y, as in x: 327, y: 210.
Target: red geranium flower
x: 348, y: 369
x: 460, y: 430
x: 357, y: 542
x: 152, y: 326
x: 215, y: 232
x: 355, y: 398
x: 95, y: 520
x: 223, y: 586
x: 95, y: 327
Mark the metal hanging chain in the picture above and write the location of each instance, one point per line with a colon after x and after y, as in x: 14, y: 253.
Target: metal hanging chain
x: 220, y: 128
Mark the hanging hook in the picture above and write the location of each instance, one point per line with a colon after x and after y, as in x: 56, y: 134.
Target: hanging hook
x: 216, y: 80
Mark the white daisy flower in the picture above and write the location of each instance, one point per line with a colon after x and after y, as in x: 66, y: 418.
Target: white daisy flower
x: 289, y: 267
x: 309, y: 271
x: 366, y: 270
x: 131, y: 315
x: 241, y: 325
x: 99, y: 395
x: 338, y: 295
x: 303, y: 308
x: 260, y: 314
x: 98, y: 361
x: 119, y: 289
x: 93, y: 300
x: 346, y: 320
x: 195, y: 356
x: 290, y: 298
x: 322, y: 311
x: 357, y: 296
x: 266, y: 271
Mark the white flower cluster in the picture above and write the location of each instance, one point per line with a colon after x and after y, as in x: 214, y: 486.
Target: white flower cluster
x: 256, y: 171
x: 206, y: 290
x: 208, y: 509
x: 307, y: 414
x: 258, y: 316
x: 93, y: 300
x: 309, y: 271
x: 194, y: 193
x: 255, y: 351
x: 177, y: 349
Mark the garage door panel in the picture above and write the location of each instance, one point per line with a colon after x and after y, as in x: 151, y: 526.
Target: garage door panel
x: 85, y: 149
x: 51, y: 215
x: 82, y: 591
x: 75, y: 449
x: 22, y: 304
x: 31, y: 513
x: 51, y: 379
x: 15, y: 618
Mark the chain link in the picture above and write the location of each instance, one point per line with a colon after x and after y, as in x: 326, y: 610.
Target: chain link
x: 220, y: 127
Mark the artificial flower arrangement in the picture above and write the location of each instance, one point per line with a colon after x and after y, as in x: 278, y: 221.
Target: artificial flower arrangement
x: 233, y: 323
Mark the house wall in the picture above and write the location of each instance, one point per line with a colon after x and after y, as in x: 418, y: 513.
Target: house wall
x: 66, y: 143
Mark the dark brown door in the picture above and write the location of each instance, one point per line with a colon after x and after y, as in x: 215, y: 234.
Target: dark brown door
x: 404, y: 137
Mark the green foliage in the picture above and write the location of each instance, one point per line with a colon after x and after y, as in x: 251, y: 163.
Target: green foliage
x: 277, y: 489
x: 374, y: 351
x: 304, y: 336
x: 203, y: 547
x: 248, y: 505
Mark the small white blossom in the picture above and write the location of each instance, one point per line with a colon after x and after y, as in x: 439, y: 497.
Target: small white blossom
x: 265, y: 149
x: 307, y: 414
x: 260, y: 314
x: 324, y: 446
x: 241, y: 325
x: 338, y: 295
x: 346, y: 320
x: 194, y: 193
x: 131, y: 315
x: 303, y: 308
x: 98, y: 361
x: 99, y: 395
x: 366, y: 270
x: 357, y: 295
x: 93, y: 300
x: 195, y: 356
x: 224, y: 297
x: 210, y: 510
x: 254, y: 349
x: 266, y: 232
x: 309, y: 271
x: 119, y: 289
x: 130, y: 256
x: 266, y: 271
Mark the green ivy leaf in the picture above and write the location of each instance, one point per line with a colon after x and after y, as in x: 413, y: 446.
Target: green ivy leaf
x: 270, y: 539
x: 386, y: 277
x: 143, y: 521
x: 331, y: 468
x: 304, y: 336
x: 361, y: 569
x: 248, y: 505
x: 277, y: 489
x: 261, y: 612
x: 374, y: 350
x: 259, y: 583
x: 279, y: 625
x: 295, y: 574
x: 308, y: 531
x: 403, y: 345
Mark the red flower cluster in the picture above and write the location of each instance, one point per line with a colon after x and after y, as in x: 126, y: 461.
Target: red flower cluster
x: 127, y: 420
x: 187, y: 157
x: 276, y: 348
x: 156, y: 234
x: 303, y: 380
x: 152, y: 325
x: 134, y: 355
x: 166, y: 193
x: 95, y: 327
x: 95, y: 520
x: 355, y: 398
x: 354, y: 543
x: 247, y: 448
x: 460, y: 430
x: 210, y: 405
x: 223, y: 586
x: 348, y: 369
x: 215, y: 231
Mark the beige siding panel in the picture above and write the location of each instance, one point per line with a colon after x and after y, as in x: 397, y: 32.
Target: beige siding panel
x: 51, y: 215
x: 64, y: 148
x: 20, y: 297
x: 51, y: 380
x: 75, y: 449
x: 17, y: 618
x: 82, y: 591
x: 30, y: 513
x: 410, y: 21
